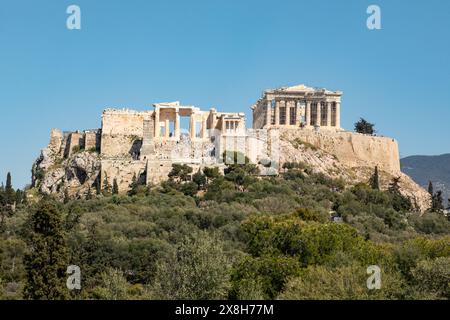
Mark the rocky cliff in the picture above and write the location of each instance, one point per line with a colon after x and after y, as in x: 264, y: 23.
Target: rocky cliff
x: 351, y: 157
x: 345, y: 155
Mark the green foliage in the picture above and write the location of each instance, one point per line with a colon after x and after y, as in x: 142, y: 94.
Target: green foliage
x: 374, y: 181
x: 298, y: 142
x: 199, y: 178
x: 47, y: 259
x: 113, y: 286
x: 180, y: 172
x: 343, y: 283
x: 431, y: 278
x: 431, y: 223
x: 9, y: 193
x: 211, y: 173
x: 238, y: 235
x: 115, y: 187
x: 269, y: 272
x: 198, y: 269
x: 107, y: 188
x: 364, y: 127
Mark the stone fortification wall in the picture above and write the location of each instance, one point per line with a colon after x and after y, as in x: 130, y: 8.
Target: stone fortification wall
x: 122, y: 132
x: 351, y: 149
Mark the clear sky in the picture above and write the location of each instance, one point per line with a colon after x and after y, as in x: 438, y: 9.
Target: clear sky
x: 223, y: 54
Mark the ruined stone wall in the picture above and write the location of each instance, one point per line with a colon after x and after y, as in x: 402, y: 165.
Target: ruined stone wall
x: 122, y: 132
x: 123, y: 171
x: 259, y: 116
x: 352, y: 149
x: 92, y: 140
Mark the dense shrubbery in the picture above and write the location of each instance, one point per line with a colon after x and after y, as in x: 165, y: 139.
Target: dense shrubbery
x: 203, y: 235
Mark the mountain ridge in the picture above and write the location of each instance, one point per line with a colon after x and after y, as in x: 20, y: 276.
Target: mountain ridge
x: 425, y: 168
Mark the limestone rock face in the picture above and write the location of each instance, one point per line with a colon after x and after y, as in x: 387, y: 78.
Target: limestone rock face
x: 341, y: 155
x: 65, y: 167
x: 53, y: 174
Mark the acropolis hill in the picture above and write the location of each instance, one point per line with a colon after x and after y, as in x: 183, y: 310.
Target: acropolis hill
x: 296, y: 123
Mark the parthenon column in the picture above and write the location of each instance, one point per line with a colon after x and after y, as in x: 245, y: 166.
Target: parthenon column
x: 287, y: 118
x: 308, y: 113
x: 269, y: 113
x: 277, y: 113
x: 318, y: 113
x: 298, y: 115
x: 338, y: 115
x: 177, y: 124
x: 157, y: 128
x: 328, y: 114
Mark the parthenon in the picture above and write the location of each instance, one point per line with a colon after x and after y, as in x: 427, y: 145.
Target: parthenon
x: 298, y: 106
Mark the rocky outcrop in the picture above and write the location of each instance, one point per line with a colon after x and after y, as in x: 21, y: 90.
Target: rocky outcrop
x: 354, y: 162
x: 53, y: 173
x: 65, y: 167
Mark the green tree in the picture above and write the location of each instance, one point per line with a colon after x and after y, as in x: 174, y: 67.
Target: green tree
x: 180, y: 172
x: 431, y: 278
x: 430, y: 188
x: 399, y: 201
x: 107, y: 188
x: 133, y: 186
x: 113, y: 286
x: 115, y: 188
x: 9, y: 190
x: 364, y: 127
x: 66, y: 196
x: 211, y: 173
x: 199, y: 269
x: 89, y: 194
x: 437, y: 202
x: 342, y: 283
x: 47, y: 259
x: 97, y: 184
x: 199, y: 178
x: 375, y: 180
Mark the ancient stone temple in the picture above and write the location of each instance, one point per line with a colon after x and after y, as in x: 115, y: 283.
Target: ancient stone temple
x: 298, y: 106
x: 143, y: 145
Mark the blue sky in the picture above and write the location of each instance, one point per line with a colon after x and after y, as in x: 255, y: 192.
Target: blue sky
x: 223, y: 54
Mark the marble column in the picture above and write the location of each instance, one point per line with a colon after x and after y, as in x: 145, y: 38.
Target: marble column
x: 277, y: 113
x: 204, y: 129
x: 157, y: 128
x: 318, y: 113
x: 298, y: 114
x: 338, y: 115
x: 308, y: 113
x: 192, y: 130
x: 287, y: 118
x: 167, y: 129
x: 177, y: 124
x: 328, y: 114
x: 269, y: 113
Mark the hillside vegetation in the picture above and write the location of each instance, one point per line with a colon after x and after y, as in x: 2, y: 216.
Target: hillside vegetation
x: 299, y: 235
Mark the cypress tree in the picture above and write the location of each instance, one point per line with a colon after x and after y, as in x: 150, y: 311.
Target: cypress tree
x: 89, y: 194
x: 115, y: 188
x: 133, y: 186
x: 437, y: 202
x: 375, y: 180
x: 98, y: 189
x: 10, y: 195
x: 106, y: 187
x: 430, y: 188
x: 66, y: 196
x: 47, y: 258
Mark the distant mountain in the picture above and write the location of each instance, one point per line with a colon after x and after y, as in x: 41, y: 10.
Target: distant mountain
x: 423, y: 169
